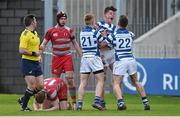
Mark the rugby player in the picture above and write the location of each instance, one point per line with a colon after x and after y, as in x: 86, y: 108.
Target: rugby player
x: 90, y: 62
x: 61, y: 38
x: 52, y: 97
x: 122, y: 40
x: 106, y: 51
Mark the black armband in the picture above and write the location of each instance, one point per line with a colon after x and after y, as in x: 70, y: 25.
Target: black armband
x: 33, y: 54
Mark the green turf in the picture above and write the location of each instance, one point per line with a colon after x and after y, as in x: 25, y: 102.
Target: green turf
x: 160, y: 105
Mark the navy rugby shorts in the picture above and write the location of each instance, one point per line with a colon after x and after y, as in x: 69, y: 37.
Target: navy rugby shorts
x: 31, y: 68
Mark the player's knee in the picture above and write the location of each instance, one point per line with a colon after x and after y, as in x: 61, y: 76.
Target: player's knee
x: 32, y: 86
x: 40, y: 87
x: 70, y: 81
x: 135, y: 83
x: 69, y: 75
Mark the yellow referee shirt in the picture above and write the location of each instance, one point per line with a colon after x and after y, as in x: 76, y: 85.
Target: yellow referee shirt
x: 30, y: 41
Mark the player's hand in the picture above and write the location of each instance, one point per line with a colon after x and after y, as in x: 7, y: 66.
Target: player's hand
x: 39, y: 53
x: 40, y: 59
x: 41, y: 47
x: 102, y: 44
x: 104, y: 33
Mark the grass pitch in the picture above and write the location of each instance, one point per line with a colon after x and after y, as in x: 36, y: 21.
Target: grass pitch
x: 160, y: 106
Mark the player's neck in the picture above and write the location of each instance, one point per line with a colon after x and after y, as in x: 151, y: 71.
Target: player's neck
x: 58, y: 26
x: 90, y: 26
x: 121, y: 27
x: 30, y: 28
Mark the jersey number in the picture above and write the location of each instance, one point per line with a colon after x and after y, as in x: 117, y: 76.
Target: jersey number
x: 124, y: 43
x: 84, y: 39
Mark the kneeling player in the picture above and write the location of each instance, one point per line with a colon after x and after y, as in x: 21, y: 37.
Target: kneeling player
x: 53, y: 96
x: 90, y: 62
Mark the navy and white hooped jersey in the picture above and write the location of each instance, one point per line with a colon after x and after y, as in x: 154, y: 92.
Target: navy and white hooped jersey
x: 122, y: 40
x: 102, y: 25
x: 89, y: 38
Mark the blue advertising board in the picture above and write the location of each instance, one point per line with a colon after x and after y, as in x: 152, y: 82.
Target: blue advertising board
x: 158, y: 76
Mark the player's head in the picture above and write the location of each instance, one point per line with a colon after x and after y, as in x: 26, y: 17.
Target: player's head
x: 123, y: 21
x: 89, y: 19
x: 109, y: 13
x: 61, y: 18
x: 40, y: 96
x: 30, y: 20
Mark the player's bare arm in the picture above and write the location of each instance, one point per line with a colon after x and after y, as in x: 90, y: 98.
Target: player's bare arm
x: 43, y: 44
x: 36, y: 106
x: 26, y: 52
x: 102, y: 42
x: 76, y: 46
x: 55, y: 106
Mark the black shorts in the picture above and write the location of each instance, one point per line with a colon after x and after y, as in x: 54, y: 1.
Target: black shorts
x: 31, y: 68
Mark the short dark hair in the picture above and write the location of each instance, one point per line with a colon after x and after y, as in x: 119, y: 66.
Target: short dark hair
x: 28, y: 19
x: 112, y: 8
x: 123, y: 21
x: 40, y: 96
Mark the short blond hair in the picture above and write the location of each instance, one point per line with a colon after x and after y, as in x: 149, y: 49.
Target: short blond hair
x: 88, y: 18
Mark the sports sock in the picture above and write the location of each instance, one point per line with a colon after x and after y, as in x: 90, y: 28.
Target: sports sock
x: 145, y: 100
x: 97, y: 99
x: 120, y: 102
x: 80, y: 103
x: 72, y: 92
x: 22, y: 98
x: 26, y: 97
x: 36, y: 91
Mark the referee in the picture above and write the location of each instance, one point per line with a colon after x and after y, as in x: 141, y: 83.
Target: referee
x: 30, y: 65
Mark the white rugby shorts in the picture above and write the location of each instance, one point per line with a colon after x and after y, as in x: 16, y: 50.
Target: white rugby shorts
x: 91, y: 64
x: 125, y: 66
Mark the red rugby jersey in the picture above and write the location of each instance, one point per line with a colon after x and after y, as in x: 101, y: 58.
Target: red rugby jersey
x: 61, y: 39
x: 52, y: 86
